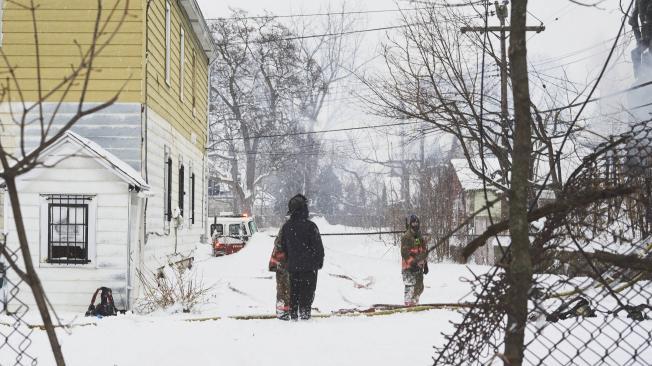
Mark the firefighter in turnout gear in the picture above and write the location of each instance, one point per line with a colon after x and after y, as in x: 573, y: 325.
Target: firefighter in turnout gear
x: 278, y: 264
x: 414, y: 262
x: 301, y: 242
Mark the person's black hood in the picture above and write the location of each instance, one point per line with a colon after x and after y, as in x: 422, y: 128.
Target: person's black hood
x: 297, y: 205
x: 301, y: 213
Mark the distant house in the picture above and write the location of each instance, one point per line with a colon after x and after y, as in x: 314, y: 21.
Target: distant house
x: 98, y: 216
x: 220, y: 198
x: 471, y: 198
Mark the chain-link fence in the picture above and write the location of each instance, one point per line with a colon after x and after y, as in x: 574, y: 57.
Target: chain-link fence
x: 15, y: 333
x: 591, y: 252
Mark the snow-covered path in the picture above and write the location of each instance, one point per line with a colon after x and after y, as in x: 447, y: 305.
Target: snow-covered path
x: 402, y: 339
x: 243, y: 286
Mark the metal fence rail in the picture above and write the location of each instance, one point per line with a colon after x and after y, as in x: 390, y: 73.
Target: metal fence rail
x: 15, y: 333
x: 591, y: 297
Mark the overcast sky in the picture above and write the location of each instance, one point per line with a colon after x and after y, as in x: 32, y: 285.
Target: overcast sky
x: 576, y: 40
x: 569, y: 27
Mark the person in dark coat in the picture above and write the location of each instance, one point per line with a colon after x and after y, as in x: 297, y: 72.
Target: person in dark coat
x: 301, y: 242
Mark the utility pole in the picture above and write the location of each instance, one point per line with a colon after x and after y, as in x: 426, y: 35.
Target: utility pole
x: 502, y: 14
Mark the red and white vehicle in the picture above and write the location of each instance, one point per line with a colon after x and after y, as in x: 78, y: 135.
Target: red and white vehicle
x: 230, y: 232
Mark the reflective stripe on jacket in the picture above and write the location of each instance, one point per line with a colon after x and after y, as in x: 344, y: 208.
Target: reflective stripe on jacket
x: 278, y: 259
x: 413, y: 251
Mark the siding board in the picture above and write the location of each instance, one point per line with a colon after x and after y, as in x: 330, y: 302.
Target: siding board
x: 163, y: 98
x: 84, y: 39
x: 46, y: 50
x: 52, y: 15
x: 53, y: 26
x: 60, y: 24
x: 65, y: 5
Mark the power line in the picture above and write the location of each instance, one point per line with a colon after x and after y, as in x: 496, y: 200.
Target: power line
x: 344, y: 33
x: 433, y: 6
x: 591, y: 100
x: 334, y: 34
x: 271, y: 16
x: 535, y: 17
x: 317, y: 132
x: 577, y: 52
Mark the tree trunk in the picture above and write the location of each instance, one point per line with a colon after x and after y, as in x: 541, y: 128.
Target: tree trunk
x: 519, y: 272
x: 34, y: 282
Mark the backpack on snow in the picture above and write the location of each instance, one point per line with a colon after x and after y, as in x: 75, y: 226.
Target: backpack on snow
x: 106, y: 307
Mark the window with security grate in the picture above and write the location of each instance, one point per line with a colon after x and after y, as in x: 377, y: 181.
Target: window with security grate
x: 68, y: 226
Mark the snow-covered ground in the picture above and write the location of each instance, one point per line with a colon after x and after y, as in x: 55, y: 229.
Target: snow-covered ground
x: 243, y: 286
x: 358, y: 271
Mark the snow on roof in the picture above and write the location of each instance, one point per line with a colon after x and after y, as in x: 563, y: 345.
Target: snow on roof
x: 468, y: 179
x: 199, y: 26
x: 471, y: 181
x: 105, y: 158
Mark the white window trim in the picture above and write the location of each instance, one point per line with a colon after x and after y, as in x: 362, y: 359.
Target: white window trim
x: 166, y: 155
x: 182, y: 63
x: 2, y: 14
x: 43, y: 236
x: 194, y: 83
x: 190, y: 194
x: 183, y: 183
x: 168, y: 20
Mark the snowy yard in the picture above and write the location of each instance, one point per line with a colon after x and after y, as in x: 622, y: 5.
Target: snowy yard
x: 243, y: 286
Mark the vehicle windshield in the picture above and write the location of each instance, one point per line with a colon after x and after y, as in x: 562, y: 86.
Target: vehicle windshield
x: 252, y: 227
x: 217, y: 229
x: 234, y: 230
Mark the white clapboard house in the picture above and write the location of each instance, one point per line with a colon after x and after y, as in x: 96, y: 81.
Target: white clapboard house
x: 110, y: 209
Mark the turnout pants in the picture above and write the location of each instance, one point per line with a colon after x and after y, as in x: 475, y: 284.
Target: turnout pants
x: 302, y: 293
x: 283, y: 295
x: 413, y: 281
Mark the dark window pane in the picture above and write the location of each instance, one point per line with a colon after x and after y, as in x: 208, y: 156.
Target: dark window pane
x: 68, y: 228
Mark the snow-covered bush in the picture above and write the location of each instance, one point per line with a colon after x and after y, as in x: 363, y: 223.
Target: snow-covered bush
x: 172, y: 286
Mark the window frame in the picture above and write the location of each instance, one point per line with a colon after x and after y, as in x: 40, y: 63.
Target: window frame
x: 90, y: 203
x: 182, y: 62
x: 194, y: 83
x: 239, y: 231
x: 168, y: 39
x: 167, y: 187
x: 192, y: 197
x: 181, y: 187
x: 214, y: 229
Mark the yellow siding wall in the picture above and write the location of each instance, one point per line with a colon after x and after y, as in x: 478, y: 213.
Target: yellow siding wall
x: 60, y: 24
x: 164, y: 98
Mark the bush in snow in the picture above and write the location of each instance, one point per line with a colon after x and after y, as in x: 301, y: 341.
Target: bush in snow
x: 173, y: 285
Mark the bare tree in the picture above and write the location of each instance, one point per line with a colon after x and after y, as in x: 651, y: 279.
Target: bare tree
x: 329, y: 57
x: 437, y: 75
x: 253, y: 89
x: 22, y: 112
x: 269, y: 86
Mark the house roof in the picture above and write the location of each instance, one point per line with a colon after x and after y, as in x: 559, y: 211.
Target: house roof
x: 121, y: 169
x: 468, y: 179
x: 471, y: 181
x: 199, y: 26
